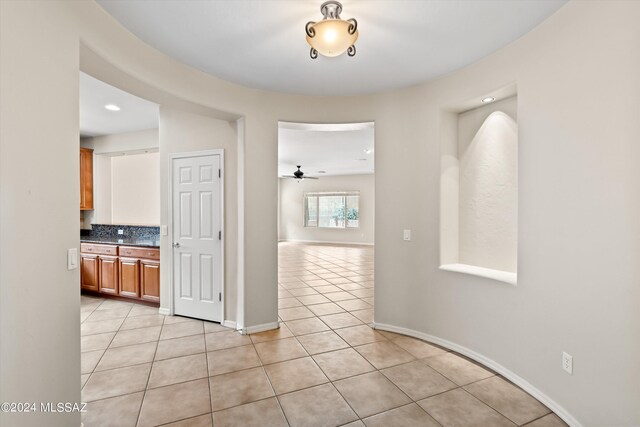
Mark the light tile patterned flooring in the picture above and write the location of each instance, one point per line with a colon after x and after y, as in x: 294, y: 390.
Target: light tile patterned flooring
x: 324, y: 366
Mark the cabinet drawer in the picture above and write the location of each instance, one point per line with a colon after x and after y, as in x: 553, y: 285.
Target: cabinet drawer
x: 94, y: 248
x: 137, y: 252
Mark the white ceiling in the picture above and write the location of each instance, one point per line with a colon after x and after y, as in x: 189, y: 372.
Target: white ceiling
x: 262, y: 44
x: 335, y: 149
x: 135, y: 113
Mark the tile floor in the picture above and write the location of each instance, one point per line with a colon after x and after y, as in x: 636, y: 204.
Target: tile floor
x: 324, y: 367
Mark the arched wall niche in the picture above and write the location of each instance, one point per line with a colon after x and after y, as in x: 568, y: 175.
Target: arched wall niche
x: 479, y: 188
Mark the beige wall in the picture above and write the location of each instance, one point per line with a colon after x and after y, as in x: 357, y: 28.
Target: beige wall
x: 186, y: 132
x: 292, y: 209
x: 135, y: 189
x: 125, y: 142
x: 578, y: 97
x: 39, y: 199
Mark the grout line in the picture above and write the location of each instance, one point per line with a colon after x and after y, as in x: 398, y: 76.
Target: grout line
x: 540, y: 417
x: 144, y: 394
x: 105, y: 350
x: 271, y: 384
x: 206, y: 358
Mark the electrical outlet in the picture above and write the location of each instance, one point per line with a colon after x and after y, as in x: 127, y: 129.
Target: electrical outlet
x: 121, y: 232
x: 567, y: 363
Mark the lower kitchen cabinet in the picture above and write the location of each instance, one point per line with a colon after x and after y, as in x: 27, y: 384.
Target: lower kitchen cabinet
x: 89, y: 272
x: 125, y: 271
x: 108, y: 274
x: 129, y: 277
x: 150, y: 280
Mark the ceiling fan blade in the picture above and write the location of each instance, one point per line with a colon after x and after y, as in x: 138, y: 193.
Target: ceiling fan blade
x: 295, y: 177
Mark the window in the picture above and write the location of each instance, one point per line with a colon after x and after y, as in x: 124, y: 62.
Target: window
x: 332, y: 210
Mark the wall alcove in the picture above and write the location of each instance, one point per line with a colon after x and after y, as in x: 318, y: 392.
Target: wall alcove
x: 479, y: 189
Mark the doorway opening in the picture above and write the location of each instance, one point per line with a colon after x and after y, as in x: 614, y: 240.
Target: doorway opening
x: 326, y: 228
x: 119, y: 195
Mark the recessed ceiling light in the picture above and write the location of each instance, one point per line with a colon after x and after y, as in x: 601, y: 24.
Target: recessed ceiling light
x: 368, y: 151
x: 488, y: 99
x: 112, y: 107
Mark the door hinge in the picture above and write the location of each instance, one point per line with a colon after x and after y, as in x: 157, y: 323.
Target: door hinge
x: 219, y: 235
x: 219, y: 173
x: 219, y: 296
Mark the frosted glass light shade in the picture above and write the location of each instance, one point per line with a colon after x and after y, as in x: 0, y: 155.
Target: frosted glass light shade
x: 332, y: 37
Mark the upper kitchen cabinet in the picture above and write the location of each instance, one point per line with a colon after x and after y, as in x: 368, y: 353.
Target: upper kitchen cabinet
x: 86, y: 179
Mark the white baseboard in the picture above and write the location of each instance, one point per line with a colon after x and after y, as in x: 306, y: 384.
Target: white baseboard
x: 164, y: 311
x: 229, y: 324
x: 260, y: 328
x: 326, y: 242
x: 514, y: 378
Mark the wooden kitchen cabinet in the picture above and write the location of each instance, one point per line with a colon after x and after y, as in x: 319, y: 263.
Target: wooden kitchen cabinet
x: 89, y: 273
x: 150, y: 280
x: 125, y: 271
x: 86, y: 179
x: 129, y: 277
x: 108, y: 267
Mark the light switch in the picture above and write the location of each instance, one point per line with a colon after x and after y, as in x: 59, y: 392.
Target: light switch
x: 72, y: 259
x: 406, y: 235
x: 164, y: 230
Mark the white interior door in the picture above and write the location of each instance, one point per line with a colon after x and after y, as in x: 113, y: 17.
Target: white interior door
x: 197, y: 234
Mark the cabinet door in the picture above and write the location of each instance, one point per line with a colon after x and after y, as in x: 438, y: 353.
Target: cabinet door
x: 150, y: 280
x: 108, y: 274
x: 89, y: 275
x: 130, y: 277
x: 86, y: 179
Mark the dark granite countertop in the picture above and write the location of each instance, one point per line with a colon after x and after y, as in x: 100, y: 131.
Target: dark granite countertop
x: 146, y: 241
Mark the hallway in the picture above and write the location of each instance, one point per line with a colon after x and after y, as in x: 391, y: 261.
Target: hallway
x: 324, y: 367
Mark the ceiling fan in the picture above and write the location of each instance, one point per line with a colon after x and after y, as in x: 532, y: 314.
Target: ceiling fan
x: 299, y: 174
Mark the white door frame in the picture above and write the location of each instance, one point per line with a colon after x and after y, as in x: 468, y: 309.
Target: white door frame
x: 172, y: 157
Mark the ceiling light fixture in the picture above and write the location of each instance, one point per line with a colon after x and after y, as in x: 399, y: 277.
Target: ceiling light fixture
x: 488, y: 99
x: 112, y: 107
x: 368, y: 151
x: 332, y: 36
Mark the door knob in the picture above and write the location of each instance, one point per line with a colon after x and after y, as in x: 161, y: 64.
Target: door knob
x: 176, y: 245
